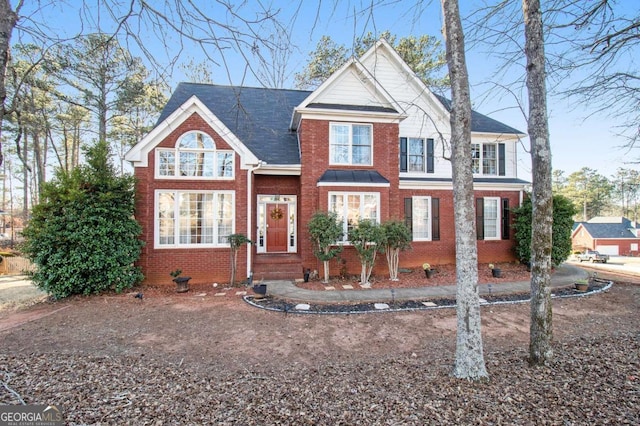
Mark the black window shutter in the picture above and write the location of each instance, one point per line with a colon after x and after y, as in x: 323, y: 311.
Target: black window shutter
x: 480, y: 218
x: 403, y: 154
x: 435, y: 219
x: 408, y: 214
x: 505, y: 218
x: 430, y: 155
x: 501, y: 159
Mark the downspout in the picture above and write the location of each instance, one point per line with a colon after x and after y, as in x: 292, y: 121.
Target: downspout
x: 249, y: 212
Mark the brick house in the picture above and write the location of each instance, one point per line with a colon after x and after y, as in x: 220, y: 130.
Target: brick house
x: 608, y: 235
x: 370, y: 142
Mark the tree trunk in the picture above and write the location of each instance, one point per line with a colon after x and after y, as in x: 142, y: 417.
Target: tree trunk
x: 469, y: 362
x: 393, y: 257
x: 8, y: 19
x: 325, y: 265
x: 234, y: 256
x: 540, y: 339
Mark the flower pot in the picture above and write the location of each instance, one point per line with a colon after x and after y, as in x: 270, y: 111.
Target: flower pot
x: 182, y: 284
x: 582, y: 287
x: 260, y: 289
x: 429, y: 272
x: 496, y: 272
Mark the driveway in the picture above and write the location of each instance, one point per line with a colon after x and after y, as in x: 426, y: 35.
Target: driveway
x: 617, y: 264
x: 18, y: 290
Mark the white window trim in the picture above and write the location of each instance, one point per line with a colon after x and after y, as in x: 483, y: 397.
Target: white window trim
x: 424, y: 156
x: 350, y: 162
x: 176, y: 151
x: 413, y: 215
x: 345, y: 194
x: 481, y: 159
x: 177, y: 245
x: 498, y: 219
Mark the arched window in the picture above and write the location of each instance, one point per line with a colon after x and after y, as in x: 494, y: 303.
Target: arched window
x: 195, y: 157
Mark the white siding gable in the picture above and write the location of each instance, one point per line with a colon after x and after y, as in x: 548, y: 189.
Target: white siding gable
x: 426, y: 116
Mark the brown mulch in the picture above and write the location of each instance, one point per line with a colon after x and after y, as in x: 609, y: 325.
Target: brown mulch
x: 190, y: 359
x: 444, y: 275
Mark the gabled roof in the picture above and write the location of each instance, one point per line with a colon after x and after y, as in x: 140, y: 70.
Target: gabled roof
x: 616, y: 227
x: 259, y: 121
x: 258, y: 117
x: 383, y: 102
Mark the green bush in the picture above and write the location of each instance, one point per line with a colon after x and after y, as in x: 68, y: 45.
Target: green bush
x: 563, y: 212
x: 83, y: 237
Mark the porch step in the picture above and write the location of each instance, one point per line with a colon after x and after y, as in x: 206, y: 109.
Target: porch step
x: 277, y: 267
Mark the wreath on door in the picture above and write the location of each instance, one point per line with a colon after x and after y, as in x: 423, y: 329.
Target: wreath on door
x: 277, y: 214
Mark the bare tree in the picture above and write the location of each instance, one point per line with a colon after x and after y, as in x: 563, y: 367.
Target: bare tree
x: 604, y: 37
x: 469, y: 363
x: 541, y: 327
x: 214, y: 27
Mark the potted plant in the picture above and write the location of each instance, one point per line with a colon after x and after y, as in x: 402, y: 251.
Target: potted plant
x: 495, y: 272
x: 182, y: 283
x: 582, y: 285
x: 427, y: 270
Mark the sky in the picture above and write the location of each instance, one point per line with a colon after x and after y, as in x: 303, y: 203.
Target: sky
x: 577, y: 139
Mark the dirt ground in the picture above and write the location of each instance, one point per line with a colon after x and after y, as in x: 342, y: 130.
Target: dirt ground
x: 225, y: 333
x: 206, y: 339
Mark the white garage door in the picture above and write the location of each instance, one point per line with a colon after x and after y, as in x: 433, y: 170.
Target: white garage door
x: 610, y: 250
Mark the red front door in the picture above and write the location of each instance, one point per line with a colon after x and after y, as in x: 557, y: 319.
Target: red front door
x: 277, y: 225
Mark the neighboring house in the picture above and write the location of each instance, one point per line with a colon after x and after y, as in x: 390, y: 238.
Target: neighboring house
x: 608, y: 235
x: 371, y: 142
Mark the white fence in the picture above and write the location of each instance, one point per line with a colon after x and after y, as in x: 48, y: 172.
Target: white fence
x: 14, y: 265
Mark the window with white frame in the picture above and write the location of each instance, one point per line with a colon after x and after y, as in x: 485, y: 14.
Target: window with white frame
x: 491, y: 218
x: 421, y: 218
x: 195, y: 156
x: 350, y: 144
x: 416, y: 153
x: 351, y: 207
x: 187, y: 219
x: 485, y: 158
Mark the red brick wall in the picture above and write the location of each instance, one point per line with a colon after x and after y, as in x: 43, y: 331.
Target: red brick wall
x: 444, y: 250
x: 212, y: 264
x: 314, y: 140
x: 203, y: 265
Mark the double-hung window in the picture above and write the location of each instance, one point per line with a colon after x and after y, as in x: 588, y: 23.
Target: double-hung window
x: 350, y: 144
x: 492, y: 218
x: 422, y: 217
x: 488, y: 159
x: 351, y: 207
x: 190, y: 218
x: 421, y: 223
x: 195, y: 156
x: 416, y: 155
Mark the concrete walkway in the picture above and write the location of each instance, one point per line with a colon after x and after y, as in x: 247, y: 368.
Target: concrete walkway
x: 17, y: 290
x: 564, y: 276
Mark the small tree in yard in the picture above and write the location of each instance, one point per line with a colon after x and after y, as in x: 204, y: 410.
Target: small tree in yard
x: 396, y: 238
x: 235, y: 242
x: 82, y: 237
x: 563, y: 212
x: 367, y: 238
x: 325, y: 231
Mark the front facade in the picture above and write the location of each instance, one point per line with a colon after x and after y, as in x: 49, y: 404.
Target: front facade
x: 608, y: 235
x: 371, y: 142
